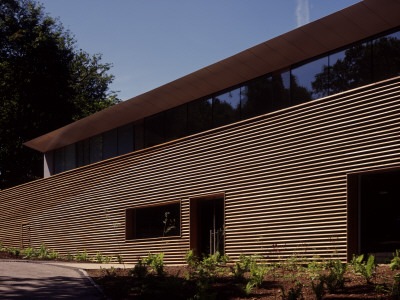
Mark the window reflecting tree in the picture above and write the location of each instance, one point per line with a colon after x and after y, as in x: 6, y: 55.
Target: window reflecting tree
x: 226, y: 108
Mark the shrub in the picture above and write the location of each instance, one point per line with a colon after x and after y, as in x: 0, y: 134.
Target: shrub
x: 395, y: 262
x: 156, y: 261
x: 43, y: 252
x: 52, y: 255
x: 140, y: 270
x: 366, y: 270
x: 293, y: 293
x: 335, y: 278
x: 242, y: 266
x: 69, y: 256
x: 319, y: 289
x: 28, y: 253
x: 395, y: 292
x: 257, y: 272
x: 119, y: 258
x: 14, y: 251
x: 191, y: 259
x: 81, y: 256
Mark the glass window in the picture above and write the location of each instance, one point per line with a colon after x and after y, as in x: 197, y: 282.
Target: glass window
x: 125, y: 139
x: 154, y: 130
x: 386, y: 56
x: 350, y: 68
x: 304, y: 81
x: 96, y: 148
x: 153, y: 221
x: 110, y: 144
x: 175, y: 122
x: 256, y: 97
x: 199, y: 115
x: 83, y: 153
x: 281, y: 89
x: 70, y: 157
x: 139, y: 134
x: 59, y: 160
x: 226, y: 108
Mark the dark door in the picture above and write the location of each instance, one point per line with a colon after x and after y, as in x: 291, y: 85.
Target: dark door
x: 379, y: 212
x: 207, y: 225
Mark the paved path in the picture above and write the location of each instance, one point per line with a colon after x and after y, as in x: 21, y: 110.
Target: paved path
x: 36, y: 280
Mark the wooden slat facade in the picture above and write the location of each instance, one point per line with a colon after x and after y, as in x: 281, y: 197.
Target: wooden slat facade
x: 283, y: 175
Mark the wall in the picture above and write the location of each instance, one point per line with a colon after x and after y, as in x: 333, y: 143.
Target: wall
x: 283, y: 175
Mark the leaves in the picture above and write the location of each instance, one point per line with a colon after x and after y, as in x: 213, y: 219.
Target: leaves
x: 45, y: 83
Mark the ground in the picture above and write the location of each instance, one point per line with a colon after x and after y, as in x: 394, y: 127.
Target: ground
x: 120, y: 284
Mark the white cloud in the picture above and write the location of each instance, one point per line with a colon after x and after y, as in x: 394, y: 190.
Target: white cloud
x: 302, y: 12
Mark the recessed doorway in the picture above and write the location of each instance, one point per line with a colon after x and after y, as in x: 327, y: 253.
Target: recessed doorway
x: 207, y: 224
x: 374, y: 210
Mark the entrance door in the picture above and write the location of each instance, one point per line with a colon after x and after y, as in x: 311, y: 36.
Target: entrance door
x: 378, y: 212
x: 207, y: 225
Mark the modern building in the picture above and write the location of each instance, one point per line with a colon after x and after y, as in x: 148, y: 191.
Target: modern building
x: 291, y: 146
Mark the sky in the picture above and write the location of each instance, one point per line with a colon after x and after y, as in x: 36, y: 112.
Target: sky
x: 153, y: 42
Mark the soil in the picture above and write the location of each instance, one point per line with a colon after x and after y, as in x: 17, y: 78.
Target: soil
x: 120, y: 284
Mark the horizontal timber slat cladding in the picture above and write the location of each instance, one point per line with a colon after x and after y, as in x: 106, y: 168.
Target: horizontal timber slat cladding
x: 283, y: 174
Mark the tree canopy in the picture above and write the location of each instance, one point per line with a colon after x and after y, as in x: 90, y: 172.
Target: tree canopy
x: 45, y: 83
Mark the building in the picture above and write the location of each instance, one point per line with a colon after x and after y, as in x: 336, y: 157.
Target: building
x: 289, y: 146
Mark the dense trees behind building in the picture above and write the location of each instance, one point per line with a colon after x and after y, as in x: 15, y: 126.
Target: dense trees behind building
x: 45, y: 83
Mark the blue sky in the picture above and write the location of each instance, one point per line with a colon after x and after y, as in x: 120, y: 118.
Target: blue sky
x: 153, y: 42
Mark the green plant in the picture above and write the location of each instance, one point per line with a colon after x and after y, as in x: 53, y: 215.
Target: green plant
x: 156, y: 262
x: 395, y: 292
x: 318, y: 288
x: 395, y: 262
x: 52, y: 255
x: 69, y: 256
x: 2, y: 248
x: 314, y: 267
x: 294, y: 293
x: 119, y: 258
x: 106, y: 259
x: 28, y: 253
x: 191, y: 259
x: 365, y: 269
x: 335, y: 279
x: 140, y: 270
x: 242, y: 266
x: 81, y: 256
x: 14, y: 251
x: 109, y: 272
x: 248, y: 288
x: 257, y: 272
x: 43, y: 252
x: 99, y: 257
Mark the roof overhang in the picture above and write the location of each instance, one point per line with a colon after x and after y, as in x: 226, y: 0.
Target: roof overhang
x: 351, y: 24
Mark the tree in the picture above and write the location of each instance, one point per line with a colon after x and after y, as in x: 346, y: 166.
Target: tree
x: 45, y: 83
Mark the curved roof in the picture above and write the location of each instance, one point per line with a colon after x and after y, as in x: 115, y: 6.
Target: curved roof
x: 349, y: 25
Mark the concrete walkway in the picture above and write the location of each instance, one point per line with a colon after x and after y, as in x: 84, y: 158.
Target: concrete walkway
x: 21, y: 279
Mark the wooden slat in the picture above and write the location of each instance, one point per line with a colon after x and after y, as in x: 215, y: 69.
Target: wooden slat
x: 284, y: 176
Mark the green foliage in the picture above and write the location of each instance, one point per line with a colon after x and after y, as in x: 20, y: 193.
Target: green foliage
x: 14, y: 251
x: 191, y: 259
x: 140, y: 270
x: 395, y: 291
x: 365, y: 269
x: 257, y: 271
x: 319, y: 288
x: 53, y: 255
x: 119, y: 258
x: 314, y: 268
x: 294, y: 293
x: 69, y: 256
x: 242, y: 266
x: 248, y: 288
x: 335, y: 279
x: 395, y: 262
x: 45, y: 83
x: 82, y: 256
x: 28, y: 253
x: 43, y: 252
x: 156, y: 262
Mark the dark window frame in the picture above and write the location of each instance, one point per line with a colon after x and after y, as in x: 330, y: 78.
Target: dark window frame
x: 130, y: 235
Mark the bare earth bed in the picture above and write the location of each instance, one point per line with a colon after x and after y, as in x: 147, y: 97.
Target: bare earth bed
x: 120, y: 284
